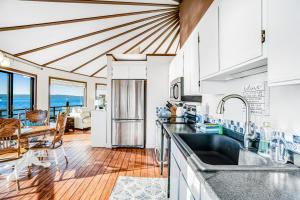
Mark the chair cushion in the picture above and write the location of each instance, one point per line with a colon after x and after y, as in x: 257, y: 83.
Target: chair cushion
x: 28, y: 123
x: 85, y: 115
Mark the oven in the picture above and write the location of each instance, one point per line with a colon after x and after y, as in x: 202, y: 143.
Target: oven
x: 176, y: 89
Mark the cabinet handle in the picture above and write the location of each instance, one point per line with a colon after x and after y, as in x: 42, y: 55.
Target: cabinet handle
x: 263, y: 36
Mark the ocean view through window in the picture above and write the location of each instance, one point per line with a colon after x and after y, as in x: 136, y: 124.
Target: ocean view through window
x: 65, y: 92
x: 17, y: 92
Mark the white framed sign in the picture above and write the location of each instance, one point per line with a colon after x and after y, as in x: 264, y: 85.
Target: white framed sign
x: 258, y: 96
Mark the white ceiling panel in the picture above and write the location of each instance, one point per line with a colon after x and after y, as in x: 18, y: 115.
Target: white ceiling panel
x: 43, y: 43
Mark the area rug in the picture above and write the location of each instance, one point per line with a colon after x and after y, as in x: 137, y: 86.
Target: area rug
x: 137, y: 188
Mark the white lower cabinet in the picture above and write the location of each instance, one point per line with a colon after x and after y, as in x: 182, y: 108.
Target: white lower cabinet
x: 204, y: 193
x: 184, y: 191
x: 174, y: 179
x: 184, y: 184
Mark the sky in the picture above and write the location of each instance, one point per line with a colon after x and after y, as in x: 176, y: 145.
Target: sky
x: 67, y: 90
x: 22, y: 86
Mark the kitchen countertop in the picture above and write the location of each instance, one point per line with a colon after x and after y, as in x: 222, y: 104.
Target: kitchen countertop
x: 244, y: 185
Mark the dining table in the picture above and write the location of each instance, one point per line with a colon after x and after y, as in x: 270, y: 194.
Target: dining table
x: 30, y: 157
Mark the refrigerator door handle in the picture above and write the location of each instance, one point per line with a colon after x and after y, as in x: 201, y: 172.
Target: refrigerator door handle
x: 127, y: 120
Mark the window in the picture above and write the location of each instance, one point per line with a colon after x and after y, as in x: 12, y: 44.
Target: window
x: 64, y: 93
x: 100, y: 90
x: 17, y: 92
x: 100, y: 100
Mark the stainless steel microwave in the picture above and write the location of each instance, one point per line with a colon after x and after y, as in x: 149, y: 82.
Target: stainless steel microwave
x: 176, y: 89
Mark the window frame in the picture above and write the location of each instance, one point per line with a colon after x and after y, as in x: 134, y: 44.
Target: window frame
x: 33, y: 88
x: 64, y: 79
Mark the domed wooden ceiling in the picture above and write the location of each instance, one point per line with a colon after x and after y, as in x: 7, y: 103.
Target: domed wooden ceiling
x: 76, y: 35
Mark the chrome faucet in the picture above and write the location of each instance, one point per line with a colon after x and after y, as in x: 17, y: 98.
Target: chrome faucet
x: 247, y: 134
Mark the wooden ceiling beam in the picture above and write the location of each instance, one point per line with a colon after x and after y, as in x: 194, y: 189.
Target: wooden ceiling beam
x: 122, y: 3
x: 99, y: 70
x: 172, y: 42
x: 116, y: 47
x: 147, y: 37
x: 54, y: 23
x: 38, y: 65
x: 177, y: 48
x: 155, y: 39
x: 108, y: 39
x: 166, y: 37
x: 91, y: 34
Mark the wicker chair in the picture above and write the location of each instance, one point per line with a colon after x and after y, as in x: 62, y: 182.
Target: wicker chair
x: 53, y: 142
x: 36, y: 118
x: 10, y: 150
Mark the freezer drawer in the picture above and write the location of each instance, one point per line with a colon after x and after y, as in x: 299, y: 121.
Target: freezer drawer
x: 128, y: 133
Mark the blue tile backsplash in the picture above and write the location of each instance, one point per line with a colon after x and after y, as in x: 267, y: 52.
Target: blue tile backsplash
x: 293, y: 143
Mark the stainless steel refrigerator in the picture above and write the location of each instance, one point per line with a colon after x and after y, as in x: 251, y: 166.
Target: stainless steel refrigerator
x: 128, y: 111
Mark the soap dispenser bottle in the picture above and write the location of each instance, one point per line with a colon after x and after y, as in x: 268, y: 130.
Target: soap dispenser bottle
x: 264, y: 148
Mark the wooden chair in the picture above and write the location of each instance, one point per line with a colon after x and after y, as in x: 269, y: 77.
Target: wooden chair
x: 36, y: 118
x: 54, y: 142
x: 10, y: 150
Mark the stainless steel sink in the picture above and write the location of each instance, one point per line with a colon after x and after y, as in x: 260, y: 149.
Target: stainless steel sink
x: 213, y: 152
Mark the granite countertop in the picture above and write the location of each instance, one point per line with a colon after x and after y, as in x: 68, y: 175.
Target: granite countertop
x: 245, y: 185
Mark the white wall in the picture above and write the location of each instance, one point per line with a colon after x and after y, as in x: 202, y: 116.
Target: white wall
x: 284, y: 104
x: 43, y: 82
x: 157, y: 92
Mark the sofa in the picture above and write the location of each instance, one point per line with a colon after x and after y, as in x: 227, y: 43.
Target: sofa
x: 82, y: 117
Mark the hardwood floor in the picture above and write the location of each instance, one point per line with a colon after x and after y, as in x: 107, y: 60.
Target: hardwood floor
x: 90, y: 174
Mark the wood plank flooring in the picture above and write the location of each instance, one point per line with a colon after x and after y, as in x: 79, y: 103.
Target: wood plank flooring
x: 90, y: 174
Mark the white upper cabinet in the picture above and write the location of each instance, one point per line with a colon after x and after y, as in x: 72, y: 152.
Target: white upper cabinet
x: 191, y: 65
x: 194, y: 65
x: 172, y: 69
x: 186, y: 72
x: 240, y: 27
x: 120, y: 71
x: 179, y: 66
x: 176, y: 67
x: 137, y: 71
x: 129, y: 70
x: 284, y: 42
x: 209, y: 41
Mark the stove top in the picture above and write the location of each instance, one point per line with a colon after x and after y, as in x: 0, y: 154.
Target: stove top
x: 174, y: 120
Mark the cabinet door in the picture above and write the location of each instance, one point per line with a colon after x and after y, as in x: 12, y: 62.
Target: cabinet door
x: 138, y: 71
x: 172, y: 69
x: 284, y: 41
x: 174, y: 179
x: 194, y: 64
x: 204, y: 193
x: 179, y: 65
x: 240, y: 25
x: 186, y: 70
x: 184, y: 191
x: 209, y: 41
x: 120, y: 72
